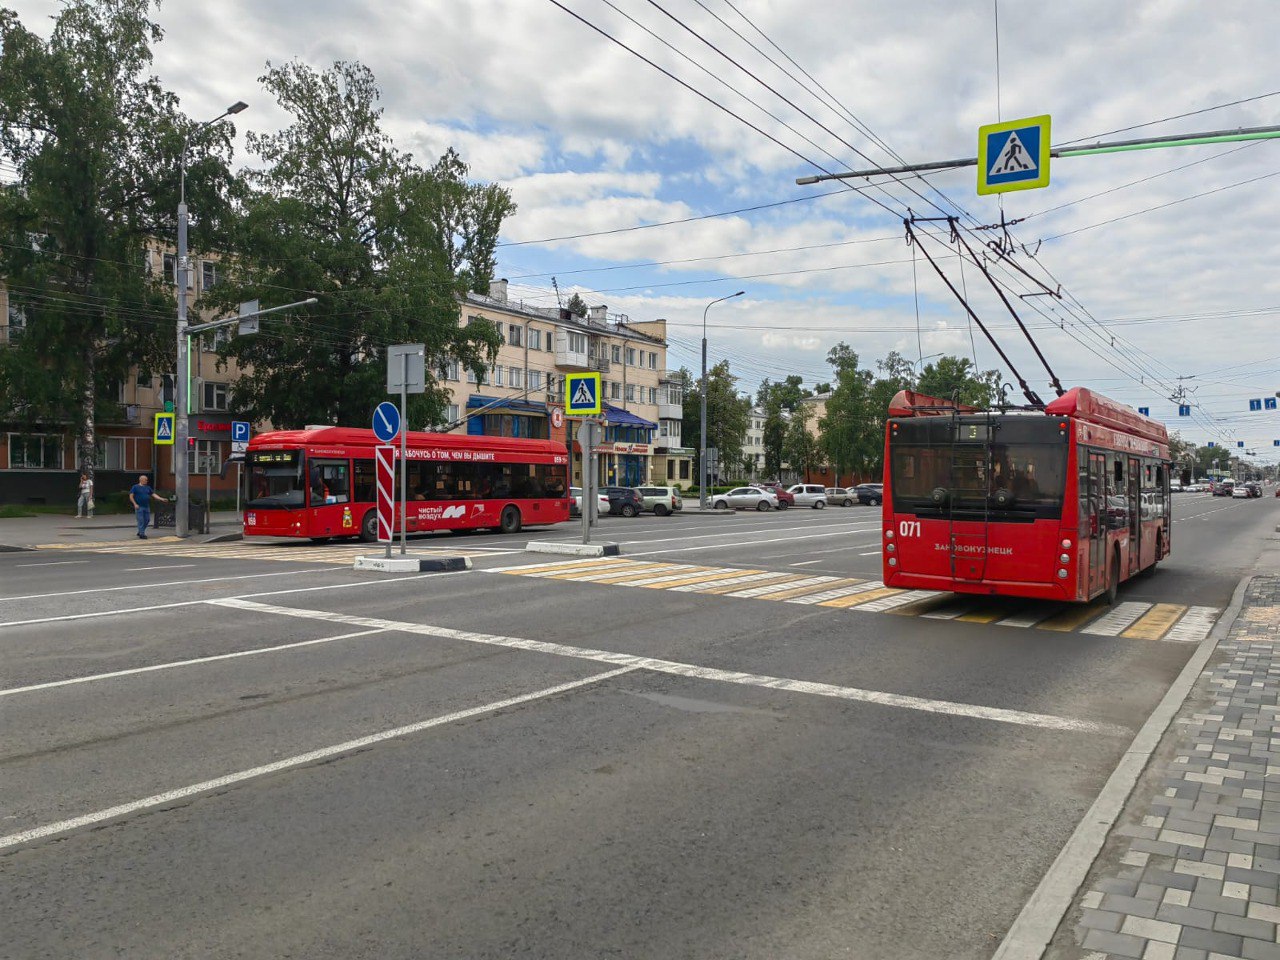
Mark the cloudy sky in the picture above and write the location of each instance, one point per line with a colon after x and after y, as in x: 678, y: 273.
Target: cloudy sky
x: 1166, y: 258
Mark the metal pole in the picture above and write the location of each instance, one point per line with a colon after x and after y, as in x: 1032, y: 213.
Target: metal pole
x: 702, y: 437
x: 588, y: 499
x: 239, y: 483
x: 208, y: 493
x: 404, y: 463
x: 181, y: 426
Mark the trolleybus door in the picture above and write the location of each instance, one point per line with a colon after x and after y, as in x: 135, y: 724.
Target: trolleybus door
x: 1097, y: 528
x: 1135, y: 515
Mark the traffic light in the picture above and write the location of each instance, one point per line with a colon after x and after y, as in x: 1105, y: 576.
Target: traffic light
x: 191, y: 443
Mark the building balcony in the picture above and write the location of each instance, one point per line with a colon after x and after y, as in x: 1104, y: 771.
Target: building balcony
x: 600, y: 363
x: 670, y: 411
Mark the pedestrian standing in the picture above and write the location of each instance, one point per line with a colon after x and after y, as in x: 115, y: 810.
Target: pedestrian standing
x: 141, y: 495
x: 84, y: 503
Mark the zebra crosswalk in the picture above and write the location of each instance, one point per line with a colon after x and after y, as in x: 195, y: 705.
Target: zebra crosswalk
x: 1133, y: 619
x: 336, y: 554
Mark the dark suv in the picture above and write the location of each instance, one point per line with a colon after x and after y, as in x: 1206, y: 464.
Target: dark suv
x: 870, y: 493
x: 624, y: 501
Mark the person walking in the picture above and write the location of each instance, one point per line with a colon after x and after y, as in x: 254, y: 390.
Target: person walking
x: 84, y: 503
x: 141, y: 495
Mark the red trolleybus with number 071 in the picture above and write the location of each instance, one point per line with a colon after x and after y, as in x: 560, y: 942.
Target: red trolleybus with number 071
x: 321, y: 483
x: 1059, y: 503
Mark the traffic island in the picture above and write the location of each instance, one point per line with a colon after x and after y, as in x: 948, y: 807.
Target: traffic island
x: 573, y: 549
x: 410, y: 564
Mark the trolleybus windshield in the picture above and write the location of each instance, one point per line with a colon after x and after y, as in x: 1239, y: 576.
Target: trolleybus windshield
x: 1001, y: 469
x: 273, y: 478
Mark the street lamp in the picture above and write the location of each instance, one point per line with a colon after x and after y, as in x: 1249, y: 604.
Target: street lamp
x: 918, y: 365
x: 702, y: 455
x: 181, y: 427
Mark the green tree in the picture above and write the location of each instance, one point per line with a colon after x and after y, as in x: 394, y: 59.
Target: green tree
x: 847, y: 432
x: 948, y: 377
x: 577, y: 306
x: 777, y: 400
x: 800, y: 447
x: 728, y: 414
x: 387, y: 246
x: 95, y: 140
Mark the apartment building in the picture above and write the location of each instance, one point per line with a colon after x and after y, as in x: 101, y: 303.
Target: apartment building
x: 39, y: 465
x: 522, y: 393
x: 753, y: 444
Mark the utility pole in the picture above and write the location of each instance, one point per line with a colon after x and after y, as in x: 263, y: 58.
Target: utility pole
x: 702, y: 439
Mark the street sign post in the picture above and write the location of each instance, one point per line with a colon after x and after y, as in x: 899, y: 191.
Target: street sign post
x: 1013, y: 155
x: 239, y: 436
x: 406, y: 374
x: 582, y: 395
x: 589, y: 437
x: 162, y: 435
x: 386, y: 481
x: 386, y: 421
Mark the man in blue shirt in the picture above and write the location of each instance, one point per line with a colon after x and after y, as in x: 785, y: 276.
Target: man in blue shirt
x: 140, y: 495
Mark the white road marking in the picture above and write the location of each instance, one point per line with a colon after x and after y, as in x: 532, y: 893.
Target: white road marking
x: 806, y: 563
x: 170, y: 583
x: 50, y: 563
x: 895, y: 601
x: 973, y: 711
x: 951, y: 610
x: 1118, y: 619
x: 780, y: 587
x: 164, y: 566
x: 1030, y: 618
x: 182, y: 663
x: 745, y: 578
x: 160, y: 799
x: 1194, y: 625
x: 869, y: 553
x: 743, y: 543
x: 838, y: 592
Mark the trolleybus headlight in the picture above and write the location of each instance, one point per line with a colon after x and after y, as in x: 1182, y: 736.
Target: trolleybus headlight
x: 1062, y: 574
x: 1066, y: 544
x: 891, y: 548
x: 888, y: 534
x: 1065, y: 558
x: 893, y: 561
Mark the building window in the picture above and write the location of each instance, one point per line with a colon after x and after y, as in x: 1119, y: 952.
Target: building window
x: 615, y: 390
x: 17, y: 319
x: 171, y: 268
x: 653, y: 394
x: 517, y: 378
x: 577, y: 342
x: 631, y: 393
x: 208, y: 274
x: 451, y: 413
x: 144, y: 381
x: 514, y: 335
x: 550, y: 344
x: 497, y: 376
x: 111, y: 454
x: 35, y: 451
x: 471, y: 375
x: 535, y: 338
x: 664, y: 428
x: 653, y: 361
x: 449, y: 370
x: 215, y: 396
x: 206, y: 457
x: 535, y: 379
x: 631, y: 356
x: 617, y: 354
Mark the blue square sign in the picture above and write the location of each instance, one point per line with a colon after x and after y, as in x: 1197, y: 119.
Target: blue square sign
x: 1145, y: 411
x: 1269, y: 403
x: 1184, y: 410
x: 1255, y: 404
x: 1013, y: 155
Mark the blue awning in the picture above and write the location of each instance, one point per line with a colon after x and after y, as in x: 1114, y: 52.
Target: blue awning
x: 506, y: 403
x: 623, y: 418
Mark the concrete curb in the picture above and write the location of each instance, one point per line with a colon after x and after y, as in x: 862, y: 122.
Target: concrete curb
x: 14, y: 548
x: 573, y: 549
x: 411, y: 564
x: 224, y: 538
x: 1034, y: 928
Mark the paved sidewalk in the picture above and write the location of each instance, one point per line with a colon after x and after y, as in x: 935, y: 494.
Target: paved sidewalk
x: 65, y: 528
x: 1192, y: 869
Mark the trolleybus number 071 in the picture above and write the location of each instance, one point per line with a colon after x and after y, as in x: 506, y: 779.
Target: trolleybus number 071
x: 909, y: 528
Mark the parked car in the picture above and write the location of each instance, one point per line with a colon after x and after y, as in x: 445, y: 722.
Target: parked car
x: 624, y: 501
x: 872, y: 493
x: 661, y: 500
x: 575, y: 503
x: 841, y: 497
x: 809, y: 495
x: 746, y: 498
x: 785, y: 497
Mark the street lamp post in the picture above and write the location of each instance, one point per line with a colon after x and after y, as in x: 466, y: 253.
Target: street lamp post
x: 181, y: 426
x: 702, y: 454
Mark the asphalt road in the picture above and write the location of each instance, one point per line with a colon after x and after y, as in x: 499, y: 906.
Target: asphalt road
x: 208, y: 754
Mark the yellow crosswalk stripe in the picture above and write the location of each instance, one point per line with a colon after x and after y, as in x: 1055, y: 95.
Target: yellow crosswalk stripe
x: 617, y: 576
x: 565, y: 565
x: 811, y: 588
x: 743, y: 585
x: 988, y: 615
x: 704, y: 577
x: 1155, y: 623
x: 857, y: 599
x: 1073, y: 616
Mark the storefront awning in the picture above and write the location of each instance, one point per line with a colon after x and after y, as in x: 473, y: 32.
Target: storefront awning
x: 623, y: 418
x: 506, y: 403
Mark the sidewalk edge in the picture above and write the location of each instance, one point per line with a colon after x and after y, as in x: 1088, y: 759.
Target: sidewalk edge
x: 1038, y: 921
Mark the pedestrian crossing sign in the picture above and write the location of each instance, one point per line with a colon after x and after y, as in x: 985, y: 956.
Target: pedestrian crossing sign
x: 163, y: 435
x: 582, y: 394
x: 1013, y: 155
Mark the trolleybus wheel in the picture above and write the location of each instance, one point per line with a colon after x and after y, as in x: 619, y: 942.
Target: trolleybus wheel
x: 510, y: 522
x: 1113, y: 581
x: 369, y: 527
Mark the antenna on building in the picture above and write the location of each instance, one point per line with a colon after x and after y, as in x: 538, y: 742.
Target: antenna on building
x: 556, y: 286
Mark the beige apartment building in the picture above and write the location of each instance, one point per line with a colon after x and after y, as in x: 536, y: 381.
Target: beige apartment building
x: 522, y: 394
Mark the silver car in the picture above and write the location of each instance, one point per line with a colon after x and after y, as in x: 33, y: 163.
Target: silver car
x: 809, y: 495
x: 661, y: 500
x: 841, y: 497
x: 745, y: 498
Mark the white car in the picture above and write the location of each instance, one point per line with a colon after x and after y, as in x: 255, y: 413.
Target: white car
x: 809, y: 495
x: 576, y: 508
x: 745, y: 498
x: 1240, y: 492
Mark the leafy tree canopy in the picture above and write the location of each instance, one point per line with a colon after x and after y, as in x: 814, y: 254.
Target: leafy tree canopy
x: 949, y: 377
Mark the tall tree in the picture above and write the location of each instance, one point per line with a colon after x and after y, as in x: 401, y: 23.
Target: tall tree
x: 778, y: 400
x: 847, y: 430
x: 576, y: 305
x: 387, y: 246
x: 728, y: 414
x: 949, y: 377
x: 95, y: 140
x: 800, y: 447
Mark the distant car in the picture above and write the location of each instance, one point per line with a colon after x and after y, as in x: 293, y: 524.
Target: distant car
x: 1224, y: 488
x: 841, y: 497
x: 661, y: 500
x: 624, y: 501
x: 1254, y: 488
x: 785, y: 497
x: 575, y: 504
x: 809, y: 495
x: 871, y: 493
x: 746, y: 498
x: 1241, y: 492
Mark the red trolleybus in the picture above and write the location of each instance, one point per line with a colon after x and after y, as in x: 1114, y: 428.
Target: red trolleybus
x: 1058, y: 503
x: 320, y: 483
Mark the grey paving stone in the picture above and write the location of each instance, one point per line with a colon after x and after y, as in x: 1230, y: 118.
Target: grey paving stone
x: 1160, y: 847
x: 1190, y: 953
x: 1132, y: 905
x: 1119, y: 944
x: 1260, y: 950
x: 1261, y: 878
x: 1206, y: 901
x: 1167, y: 878
x: 1114, y: 885
x: 1227, y: 943
x: 1218, y: 857
x: 1101, y: 920
x: 1187, y: 916
x: 1258, y: 929
x: 1150, y: 891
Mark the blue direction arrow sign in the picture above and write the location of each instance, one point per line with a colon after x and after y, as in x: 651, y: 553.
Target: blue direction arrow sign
x: 386, y: 421
x: 1255, y: 404
x: 1145, y: 411
x: 1269, y: 403
x: 1184, y: 410
x: 1239, y: 443
x: 1013, y: 155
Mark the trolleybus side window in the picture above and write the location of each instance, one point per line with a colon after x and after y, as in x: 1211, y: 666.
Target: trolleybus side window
x: 329, y: 481
x: 365, y: 489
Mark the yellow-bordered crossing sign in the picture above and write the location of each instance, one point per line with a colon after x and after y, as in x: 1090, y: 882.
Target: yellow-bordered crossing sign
x: 1013, y: 155
x: 582, y: 394
x: 162, y: 434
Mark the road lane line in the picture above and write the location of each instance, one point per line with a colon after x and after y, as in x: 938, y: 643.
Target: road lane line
x: 1120, y: 617
x: 806, y: 563
x: 51, y: 563
x: 743, y: 543
x: 171, y: 583
x: 675, y: 668
x: 163, y: 566
x: 1155, y: 623
x: 52, y: 684
x: 1071, y: 617
x: 160, y: 799
x: 869, y: 553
